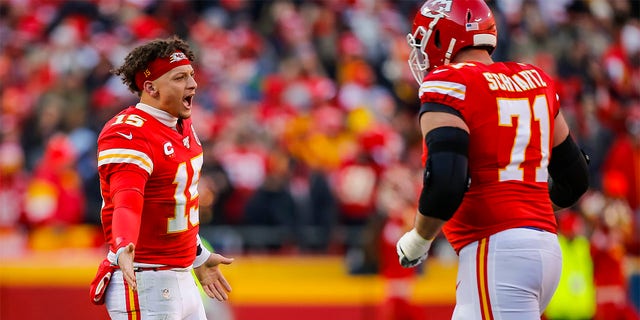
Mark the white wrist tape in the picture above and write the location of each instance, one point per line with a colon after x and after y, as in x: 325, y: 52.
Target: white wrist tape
x: 118, y: 254
x: 413, y: 245
x: 203, y: 256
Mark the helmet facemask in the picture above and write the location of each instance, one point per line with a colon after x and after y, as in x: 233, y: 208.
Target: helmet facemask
x: 418, y: 58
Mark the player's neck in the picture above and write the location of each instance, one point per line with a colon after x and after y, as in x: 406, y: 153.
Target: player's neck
x: 473, y: 54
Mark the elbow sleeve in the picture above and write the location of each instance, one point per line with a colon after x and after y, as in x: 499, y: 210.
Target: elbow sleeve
x: 446, y: 177
x: 569, y: 172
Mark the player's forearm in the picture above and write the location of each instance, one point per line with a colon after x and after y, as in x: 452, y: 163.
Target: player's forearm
x: 127, y: 214
x: 128, y: 199
x: 428, y: 227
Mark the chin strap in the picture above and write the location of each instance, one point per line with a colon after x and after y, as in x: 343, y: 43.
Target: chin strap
x: 447, y: 56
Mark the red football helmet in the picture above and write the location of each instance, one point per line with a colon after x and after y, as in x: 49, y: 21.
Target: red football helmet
x: 442, y: 27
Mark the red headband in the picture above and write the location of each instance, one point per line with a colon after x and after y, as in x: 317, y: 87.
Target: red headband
x: 160, y: 66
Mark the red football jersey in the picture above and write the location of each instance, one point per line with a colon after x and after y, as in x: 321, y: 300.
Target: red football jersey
x: 171, y: 161
x: 510, y: 110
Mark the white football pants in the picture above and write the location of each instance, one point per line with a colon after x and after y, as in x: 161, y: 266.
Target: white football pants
x: 161, y: 295
x: 510, y: 275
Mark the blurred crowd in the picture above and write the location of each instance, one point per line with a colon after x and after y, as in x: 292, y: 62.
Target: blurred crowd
x: 306, y: 111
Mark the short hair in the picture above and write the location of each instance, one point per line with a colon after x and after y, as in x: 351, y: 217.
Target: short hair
x: 140, y: 57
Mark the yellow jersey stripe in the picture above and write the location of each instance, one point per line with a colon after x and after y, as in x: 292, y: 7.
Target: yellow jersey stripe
x: 452, y: 89
x: 126, y: 156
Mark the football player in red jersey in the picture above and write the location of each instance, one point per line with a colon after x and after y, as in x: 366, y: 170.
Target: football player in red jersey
x: 494, y: 134
x: 149, y: 162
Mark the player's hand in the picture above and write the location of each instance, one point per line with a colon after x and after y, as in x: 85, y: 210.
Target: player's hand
x: 412, y: 249
x: 211, y: 278
x: 125, y: 262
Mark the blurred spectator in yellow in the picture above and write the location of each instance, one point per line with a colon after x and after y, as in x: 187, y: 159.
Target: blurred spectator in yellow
x: 575, y: 297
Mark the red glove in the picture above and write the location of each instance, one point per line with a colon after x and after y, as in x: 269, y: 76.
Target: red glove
x: 100, y: 282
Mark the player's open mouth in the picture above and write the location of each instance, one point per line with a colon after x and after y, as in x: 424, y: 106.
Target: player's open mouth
x: 188, y: 100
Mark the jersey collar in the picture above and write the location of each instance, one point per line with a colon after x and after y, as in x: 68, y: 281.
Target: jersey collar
x: 160, y: 115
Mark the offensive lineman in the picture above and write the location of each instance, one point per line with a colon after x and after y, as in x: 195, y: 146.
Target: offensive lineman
x: 149, y: 161
x: 494, y: 134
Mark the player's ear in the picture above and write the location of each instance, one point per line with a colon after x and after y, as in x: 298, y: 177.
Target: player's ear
x: 150, y: 88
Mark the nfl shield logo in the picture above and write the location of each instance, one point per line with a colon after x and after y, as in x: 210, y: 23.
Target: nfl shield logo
x: 185, y: 141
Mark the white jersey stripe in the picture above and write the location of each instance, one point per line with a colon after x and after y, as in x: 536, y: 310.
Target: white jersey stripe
x: 126, y: 156
x: 453, y: 89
